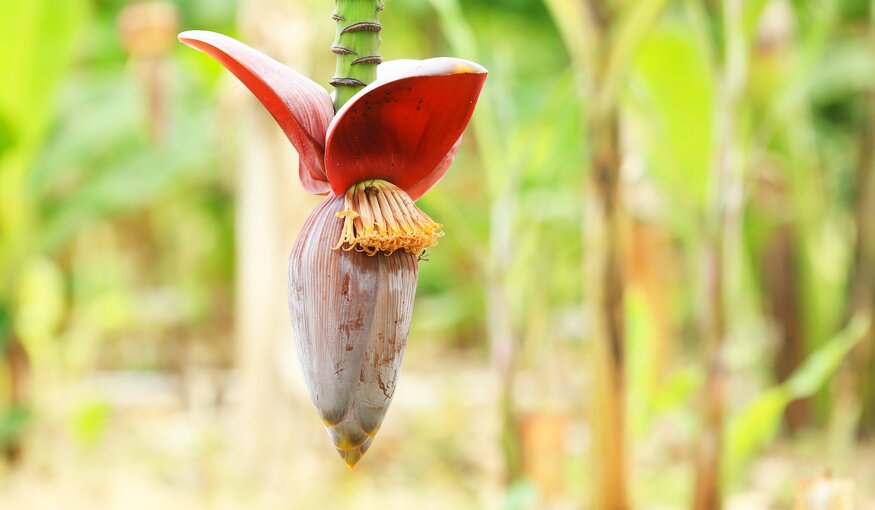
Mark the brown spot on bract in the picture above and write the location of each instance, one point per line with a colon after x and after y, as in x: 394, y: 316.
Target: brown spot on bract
x: 352, y: 325
x: 383, y: 387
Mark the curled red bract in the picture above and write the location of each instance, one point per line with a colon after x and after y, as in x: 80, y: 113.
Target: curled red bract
x: 403, y: 128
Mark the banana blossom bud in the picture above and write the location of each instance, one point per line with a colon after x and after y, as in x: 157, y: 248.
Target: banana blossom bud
x: 353, y: 269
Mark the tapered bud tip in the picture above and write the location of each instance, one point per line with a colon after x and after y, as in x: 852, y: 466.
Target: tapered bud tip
x: 351, y: 457
x: 379, y: 217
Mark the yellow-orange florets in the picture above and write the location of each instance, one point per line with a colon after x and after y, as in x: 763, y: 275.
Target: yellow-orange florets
x: 380, y: 217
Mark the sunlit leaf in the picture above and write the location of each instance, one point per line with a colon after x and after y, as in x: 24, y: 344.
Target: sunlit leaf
x: 89, y: 422
x: 6, y: 135
x: 13, y: 421
x: 753, y: 427
x: 821, y: 364
x: 36, y: 45
x: 757, y: 423
x: 674, y: 93
x: 40, y: 302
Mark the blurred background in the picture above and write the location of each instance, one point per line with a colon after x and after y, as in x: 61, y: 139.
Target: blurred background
x: 655, y: 290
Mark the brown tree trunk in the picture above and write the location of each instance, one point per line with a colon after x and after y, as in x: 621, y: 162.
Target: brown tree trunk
x: 604, y: 231
x: 604, y: 262
x: 863, y: 276
x: 707, y: 493
x: 18, y: 368
x: 652, y: 271
x: 147, y: 31
x: 779, y: 265
x: 726, y: 179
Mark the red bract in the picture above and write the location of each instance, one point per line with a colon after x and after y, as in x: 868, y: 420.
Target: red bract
x: 402, y: 128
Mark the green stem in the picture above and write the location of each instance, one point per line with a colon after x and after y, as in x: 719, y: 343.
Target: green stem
x: 357, y: 46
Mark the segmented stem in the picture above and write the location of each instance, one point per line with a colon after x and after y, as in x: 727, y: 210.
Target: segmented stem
x: 356, y: 45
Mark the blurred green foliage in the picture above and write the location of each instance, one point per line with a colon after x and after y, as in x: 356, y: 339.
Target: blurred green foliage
x: 79, y: 173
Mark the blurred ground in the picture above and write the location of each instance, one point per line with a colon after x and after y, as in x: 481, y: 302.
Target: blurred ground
x: 141, y: 445
x: 156, y: 452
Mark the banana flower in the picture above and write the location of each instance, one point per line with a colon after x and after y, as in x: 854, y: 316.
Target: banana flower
x: 353, y: 269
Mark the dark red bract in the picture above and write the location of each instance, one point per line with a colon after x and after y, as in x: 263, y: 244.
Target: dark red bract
x: 403, y: 128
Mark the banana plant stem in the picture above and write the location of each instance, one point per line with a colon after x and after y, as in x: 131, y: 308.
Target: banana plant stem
x: 356, y: 46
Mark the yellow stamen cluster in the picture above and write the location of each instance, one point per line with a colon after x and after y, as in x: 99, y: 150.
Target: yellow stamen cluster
x: 380, y: 217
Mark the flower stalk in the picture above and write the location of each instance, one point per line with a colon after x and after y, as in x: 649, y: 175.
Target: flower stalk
x: 356, y: 46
